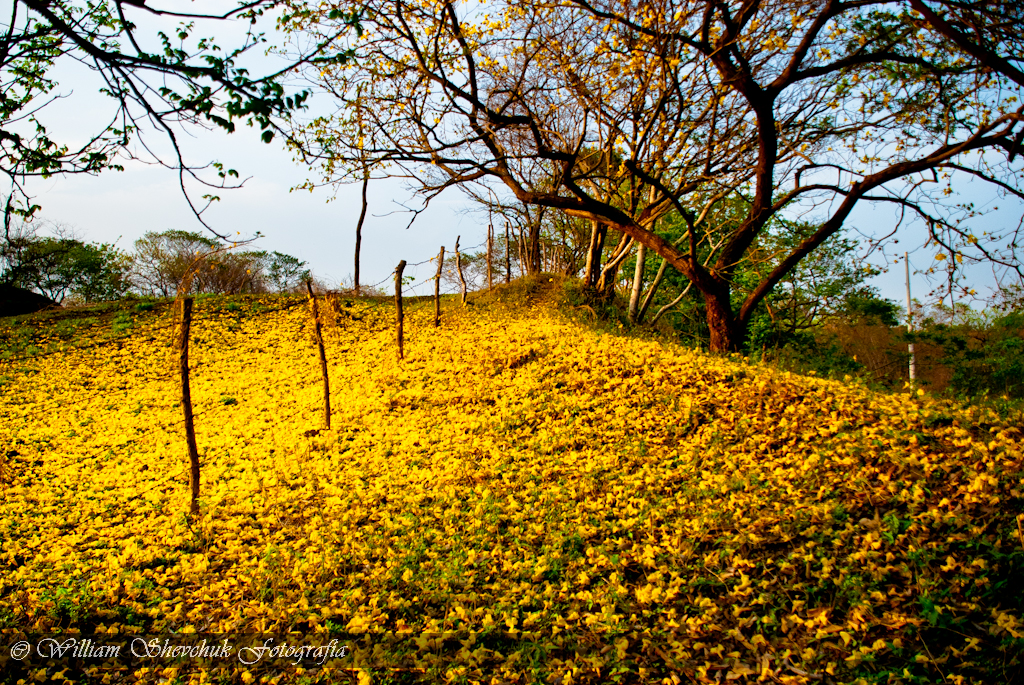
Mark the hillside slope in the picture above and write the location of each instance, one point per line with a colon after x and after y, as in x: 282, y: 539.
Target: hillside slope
x: 573, y: 506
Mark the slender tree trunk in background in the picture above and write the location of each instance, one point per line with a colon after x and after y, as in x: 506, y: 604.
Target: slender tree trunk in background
x: 597, y: 235
x: 795, y: 319
x: 638, y: 282
x: 588, y: 270
x: 185, y: 318
x: 649, y: 297
x: 490, y: 245
x: 323, y: 355
x: 533, y: 249
x: 521, y: 244
x: 366, y: 182
x: 563, y: 253
x: 437, y: 288
x: 399, y: 315
x: 620, y: 252
x: 671, y: 304
x: 359, y: 230
x: 508, y: 257
x: 637, y: 310
x: 606, y: 284
x: 458, y: 267
x: 910, y: 322
x: 610, y: 272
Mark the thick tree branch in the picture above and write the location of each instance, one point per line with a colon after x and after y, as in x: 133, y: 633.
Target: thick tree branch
x: 965, y: 43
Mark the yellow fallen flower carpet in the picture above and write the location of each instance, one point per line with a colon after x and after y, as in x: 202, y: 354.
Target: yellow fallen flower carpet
x: 521, y: 499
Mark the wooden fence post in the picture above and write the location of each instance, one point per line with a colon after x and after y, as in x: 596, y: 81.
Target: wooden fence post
x: 437, y: 289
x: 323, y: 356
x: 398, y: 306
x: 185, y: 318
x: 508, y: 257
x: 458, y: 267
x: 490, y: 244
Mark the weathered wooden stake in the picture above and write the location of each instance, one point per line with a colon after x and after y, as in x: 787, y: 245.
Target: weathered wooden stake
x: 185, y: 317
x: 458, y: 267
x: 490, y: 242
x: 508, y: 257
x: 398, y: 306
x: 437, y: 288
x: 323, y: 356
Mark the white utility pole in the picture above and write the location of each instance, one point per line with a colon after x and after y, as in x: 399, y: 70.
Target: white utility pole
x: 910, y: 322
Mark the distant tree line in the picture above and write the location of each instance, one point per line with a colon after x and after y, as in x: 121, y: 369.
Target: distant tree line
x: 831, y: 282
x: 62, y: 267
x: 823, y: 317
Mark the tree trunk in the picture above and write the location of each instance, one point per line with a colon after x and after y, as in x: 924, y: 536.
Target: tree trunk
x: 726, y: 333
x: 610, y: 272
x: 606, y: 284
x: 597, y: 234
x: 533, y: 256
x: 649, y: 297
x: 638, y: 282
x: 671, y: 304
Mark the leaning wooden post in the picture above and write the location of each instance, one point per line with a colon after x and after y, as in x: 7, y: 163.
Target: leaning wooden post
x: 437, y: 289
x: 398, y: 306
x: 508, y: 257
x: 323, y: 356
x: 458, y: 267
x: 490, y: 241
x: 185, y: 317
